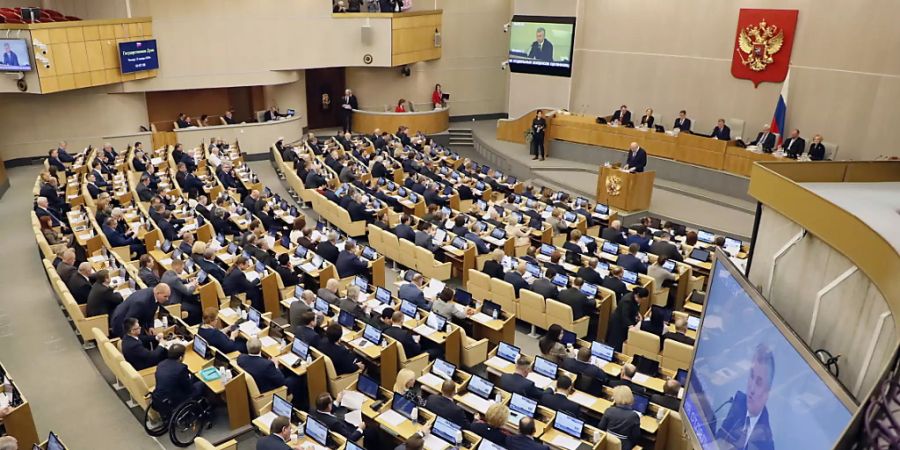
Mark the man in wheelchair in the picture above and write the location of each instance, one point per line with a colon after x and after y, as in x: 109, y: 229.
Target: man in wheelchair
x: 174, y: 383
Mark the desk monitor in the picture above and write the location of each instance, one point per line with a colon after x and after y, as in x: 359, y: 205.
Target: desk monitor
x: 568, y: 337
x: 581, y: 201
x: 569, y: 216
x: 733, y: 244
x: 346, y: 319
x: 752, y: 363
x: 498, y: 233
x: 602, y: 266
x: 53, y: 442
x: 533, y: 269
x: 479, y: 226
x: 301, y: 251
x: 681, y: 377
x: 290, y: 113
x: 413, y: 197
x: 508, y: 352
x: 232, y: 248
x: 321, y: 305
x: 368, y: 386
x: 351, y: 446
x: 490, y: 308
x: 436, y: 321
x: 601, y: 209
x: 318, y: 261
x: 409, y: 309
x: 589, y: 289
x: 201, y: 277
x: 488, y: 445
x: 282, y: 407
x: 480, y: 387
x: 645, y: 365
x: 522, y: 405
x: 402, y: 405
x: 640, y: 403
x: 254, y: 316
x: 547, y: 249
x: 669, y: 265
x: 610, y: 247
x: 440, y: 235
x: 693, y: 323
x: 361, y: 282
x: 300, y: 348
x: 459, y: 243
x: 446, y: 430
x: 166, y: 246
x: 372, y: 334
x: 317, y: 431
x: 383, y: 295
x: 586, y: 240
x: 443, y: 369
x: 561, y: 280
x: 568, y: 424
x: 706, y: 236
x: 260, y: 267
x: 200, y: 346
x: 602, y: 351
x: 369, y: 253
x: 18, y: 59
x: 511, y: 180
x: 546, y: 368
x: 699, y: 254
x: 629, y: 277
x: 462, y: 297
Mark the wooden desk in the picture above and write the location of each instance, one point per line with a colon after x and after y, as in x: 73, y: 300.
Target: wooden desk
x: 740, y: 160
x: 428, y: 122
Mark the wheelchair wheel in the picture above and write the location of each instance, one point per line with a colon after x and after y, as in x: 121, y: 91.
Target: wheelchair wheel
x: 154, y: 423
x: 187, y: 422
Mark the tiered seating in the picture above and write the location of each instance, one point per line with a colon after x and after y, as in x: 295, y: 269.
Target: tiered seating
x: 14, y: 15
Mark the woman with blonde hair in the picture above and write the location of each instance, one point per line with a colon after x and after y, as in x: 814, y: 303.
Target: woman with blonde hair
x: 491, y: 426
x: 621, y: 420
x: 405, y: 385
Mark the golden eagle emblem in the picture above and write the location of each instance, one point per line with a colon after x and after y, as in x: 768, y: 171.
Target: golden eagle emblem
x: 758, y: 43
x: 613, y: 185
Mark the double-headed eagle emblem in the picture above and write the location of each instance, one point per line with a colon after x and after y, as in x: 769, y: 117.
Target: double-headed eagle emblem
x: 613, y: 185
x: 759, y: 43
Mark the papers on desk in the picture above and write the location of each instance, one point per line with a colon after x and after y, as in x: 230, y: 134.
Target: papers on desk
x: 433, y: 442
x: 249, y: 328
x: 481, y: 317
x: 97, y: 259
x: 288, y: 359
x: 270, y: 241
x: 308, y: 267
x: 479, y: 404
x: 228, y: 312
x: 252, y: 276
x: 434, y: 288
x: 565, y: 441
x: 166, y: 261
x: 353, y: 417
x: 431, y: 380
x: 125, y: 293
x: 85, y: 236
x: 583, y: 399
x: 497, y: 363
x: 4, y: 399
x: 392, y: 418
x: 267, y: 418
x: 640, y: 378
x: 353, y: 400
x: 156, y: 161
x: 539, y: 380
x: 424, y: 330
x: 267, y: 341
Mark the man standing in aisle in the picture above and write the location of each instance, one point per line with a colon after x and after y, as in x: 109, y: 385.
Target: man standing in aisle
x: 348, y: 104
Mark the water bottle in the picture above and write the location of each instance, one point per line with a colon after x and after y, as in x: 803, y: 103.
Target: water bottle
x: 414, y: 415
x: 496, y: 314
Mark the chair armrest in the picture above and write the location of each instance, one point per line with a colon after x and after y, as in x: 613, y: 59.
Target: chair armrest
x: 100, y: 322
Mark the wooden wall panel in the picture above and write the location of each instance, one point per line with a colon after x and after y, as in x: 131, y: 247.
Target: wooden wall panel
x: 412, y: 38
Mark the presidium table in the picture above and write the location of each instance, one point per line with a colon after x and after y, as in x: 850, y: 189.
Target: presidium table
x: 683, y: 147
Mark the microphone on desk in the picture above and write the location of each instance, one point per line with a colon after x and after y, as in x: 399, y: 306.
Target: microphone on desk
x: 726, y: 402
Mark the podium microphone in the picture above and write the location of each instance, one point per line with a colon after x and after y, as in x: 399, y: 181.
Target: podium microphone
x: 726, y: 402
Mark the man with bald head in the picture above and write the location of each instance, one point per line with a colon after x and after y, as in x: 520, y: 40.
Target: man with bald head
x: 141, y: 305
x: 517, y: 278
x: 637, y: 158
x: 66, y: 266
x: 614, y: 233
x: 348, y: 104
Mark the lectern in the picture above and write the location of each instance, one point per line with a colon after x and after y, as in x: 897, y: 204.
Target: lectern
x: 623, y: 190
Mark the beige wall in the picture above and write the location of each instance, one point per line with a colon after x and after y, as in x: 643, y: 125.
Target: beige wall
x: 289, y: 96
x: 674, y: 55
x: 32, y: 124
x: 473, y: 47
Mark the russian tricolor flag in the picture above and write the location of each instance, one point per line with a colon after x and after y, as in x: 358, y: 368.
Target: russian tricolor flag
x: 780, y: 116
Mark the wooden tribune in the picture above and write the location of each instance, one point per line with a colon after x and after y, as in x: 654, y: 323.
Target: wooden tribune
x: 623, y: 190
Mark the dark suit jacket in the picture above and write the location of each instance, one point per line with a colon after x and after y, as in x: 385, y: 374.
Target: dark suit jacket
x: 337, y: 425
x: 581, y: 305
x: 141, y: 305
x: 288, y: 277
x: 760, y: 437
x: 665, y: 401
x: 404, y: 231
x: 647, y: 120
x: 559, y: 402
x: 667, y: 249
x: 768, y: 143
x: 448, y: 409
x: 637, y: 159
x: 405, y: 338
x: 516, y: 280
x: 618, y: 116
x: 348, y: 265
x: 635, y: 388
x: 272, y: 442
x: 541, y: 52
x: 613, y: 235
x: 328, y: 251
x: 342, y: 358
x: 545, y: 288
x: 816, y: 152
x: 624, y: 316
x: 624, y: 423
x: 306, y: 334
x: 236, y: 283
x: 794, y: 147
x: 263, y: 371
x: 484, y: 430
x: 80, y: 287
x: 493, y: 269
x: 270, y: 116
x: 219, y: 340
x: 520, y: 442
x: 515, y: 383
x: 173, y: 381
x: 138, y: 356
x: 589, y: 378
x: 101, y: 300
x: 630, y: 262
x: 212, y: 269
x: 616, y: 285
x: 589, y: 276
x: 722, y: 134
x: 65, y: 271
x: 684, y: 125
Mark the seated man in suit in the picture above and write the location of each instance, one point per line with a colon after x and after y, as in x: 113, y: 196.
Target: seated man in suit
x: 765, y: 140
x: 226, y: 340
x: 272, y: 114
x: 589, y: 273
x: 183, y: 121
x: 101, y: 299
x: 306, y: 329
x: 135, y: 346
x: 544, y: 287
x: 628, y: 371
x: 407, y: 339
x: 117, y: 238
x: 42, y: 208
x: 349, y: 263
x: 412, y: 292
x: 641, y: 237
x: 209, y: 265
x: 516, y: 279
x: 721, y: 131
x: 328, y: 249
x: 630, y: 260
x: 525, y: 439
x: 265, y: 372
x: 682, y: 122
x: 329, y: 293
x: 237, y: 283
x: 279, y: 437
x: 518, y: 382
x: 622, y: 116
x: 590, y: 378
x: 680, y: 333
x: 473, y: 236
x: 794, y: 145
x: 614, y: 282
x: 669, y: 397
x: 579, y: 302
x: 342, y: 358
x: 492, y: 267
x: 80, y: 283
x: 351, y: 304
x: 174, y: 382
x: 425, y: 237
x: 559, y: 400
x: 324, y: 413
x: 614, y: 233
x: 663, y: 247
x: 444, y: 405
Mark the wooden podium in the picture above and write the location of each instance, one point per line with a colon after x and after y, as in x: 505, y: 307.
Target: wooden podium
x: 623, y: 190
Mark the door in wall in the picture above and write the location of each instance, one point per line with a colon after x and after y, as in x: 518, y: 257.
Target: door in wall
x: 324, y: 89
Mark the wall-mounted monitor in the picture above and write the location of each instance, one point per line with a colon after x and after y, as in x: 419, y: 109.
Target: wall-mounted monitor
x: 753, y: 383
x: 541, y: 45
x: 14, y: 55
x: 138, y: 56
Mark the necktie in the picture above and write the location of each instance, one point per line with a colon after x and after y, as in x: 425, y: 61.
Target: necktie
x: 745, y: 434
x: 763, y: 141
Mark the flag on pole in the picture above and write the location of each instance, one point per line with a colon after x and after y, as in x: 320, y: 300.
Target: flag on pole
x: 780, y: 116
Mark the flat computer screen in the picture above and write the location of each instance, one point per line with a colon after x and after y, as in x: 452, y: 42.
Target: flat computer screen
x: 602, y: 351
x: 317, y: 431
x: 508, y: 352
x: 545, y: 367
x: 15, y: 56
x: 368, y: 386
x: 200, y: 346
x: 281, y: 407
x: 443, y: 369
x: 403, y: 405
x: 300, y: 348
x: 445, y: 429
x: 480, y: 387
x: 568, y: 424
x: 522, y: 405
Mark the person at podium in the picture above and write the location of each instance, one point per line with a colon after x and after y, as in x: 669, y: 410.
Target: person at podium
x: 637, y: 158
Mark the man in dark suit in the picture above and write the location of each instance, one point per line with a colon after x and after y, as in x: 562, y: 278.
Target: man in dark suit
x: 328, y: 249
x: 228, y: 117
x: 525, y: 439
x: 516, y: 278
x: 765, y: 140
x: 471, y: 235
x: 53, y: 160
x: 306, y: 328
x: 141, y: 305
x: 425, y: 237
x: 492, y: 267
x: 518, y: 382
x: 541, y: 48
x: 396, y: 331
x: 625, y: 379
x: 173, y: 379
x: 581, y: 305
x: 348, y: 262
x: 663, y: 247
x: 669, y: 397
x: 144, y: 192
x: 134, y: 347
x: 10, y: 58
x: 42, y: 208
x: 721, y: 131
x: 412, y: 292
x: 182, y: 121
x: 794, y: 145
x: 343, y: 359
x: 403, y: 230
x: 444, y: 405
x: 544, y: 287
x: 746, y: 426
x: 679, y: 335
x: 263, y: 370
x: 272, y: 114
x: 590, y: 378
x: 101, y: 298
x: 630, y: 261
x: 626, y: 315
x: 324, y: 413
x: 589, y: 273
x: 614, y: 282
x: 559, y: 401
x: 348, y: 104
x: 66, y: 267
x: 208, y: 264
x: 622, y: 115
x: 637, y: 158
x: 614, y: 233
x: 682, y: 122
x: 281, y: 434
x: 80, y: 283
x: 286, y: 271
x: 119, y: 239
x: 641, y: 237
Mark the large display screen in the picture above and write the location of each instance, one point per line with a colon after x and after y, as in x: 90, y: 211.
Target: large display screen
x: 753, y: 384
x: 138, y: 56
x: 541, y: 45
x: 14, y: 55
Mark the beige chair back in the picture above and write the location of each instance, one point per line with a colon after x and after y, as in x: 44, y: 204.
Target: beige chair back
x: 503, y: 294
x: 479, y: 284
x: 641, y: 343
x: 532, y: 309
x: 676, y: 355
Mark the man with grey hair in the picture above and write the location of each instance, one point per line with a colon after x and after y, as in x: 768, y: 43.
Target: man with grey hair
x: 746, y: 426
x: 79, y: 283
x: 302, y: 305
x: 613, y: 233
x: 348, y: 104
x: 8, y: 443
x: 328, y: 249
x: 66, y: 266
x: 351, y: 304
x: 329, y: 293
x: 267, y: 375
x: 42, y: 208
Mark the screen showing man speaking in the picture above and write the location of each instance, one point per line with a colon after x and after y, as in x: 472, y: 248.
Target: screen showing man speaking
x: 14, y: 55
x: 750, y: 387
x: 541, y: 45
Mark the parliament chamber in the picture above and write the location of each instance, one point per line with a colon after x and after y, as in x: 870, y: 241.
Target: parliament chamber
x: 400, y: 224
